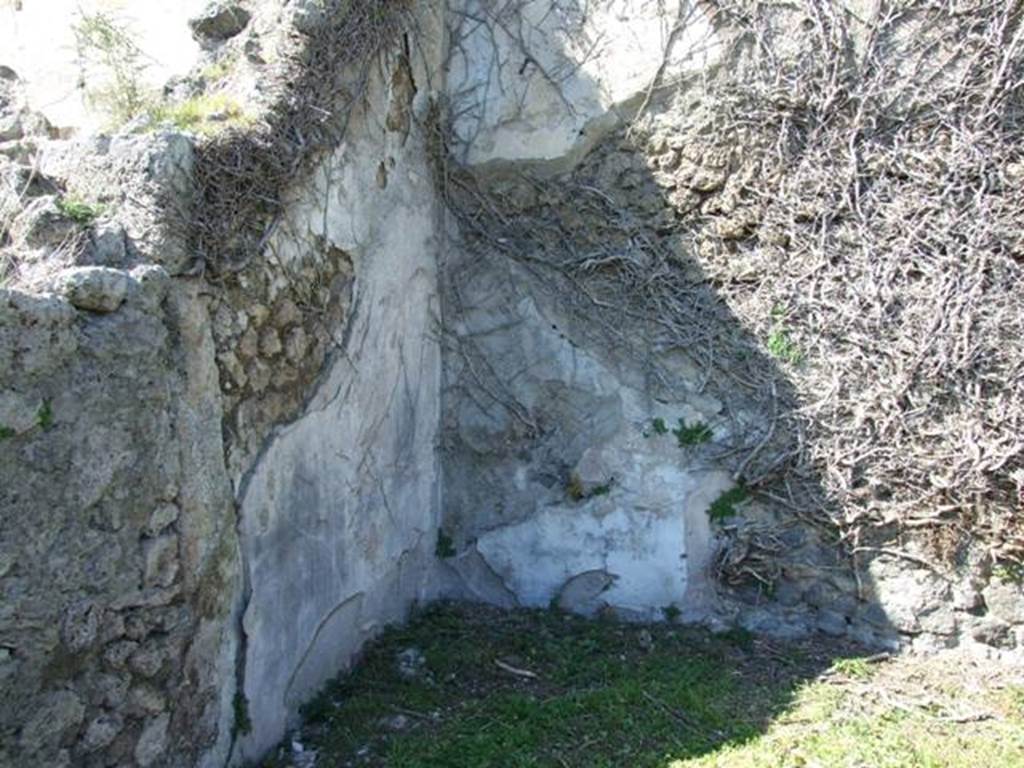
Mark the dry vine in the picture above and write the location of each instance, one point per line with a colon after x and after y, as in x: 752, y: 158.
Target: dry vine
x: 859, y: 268
x: 242, y: 173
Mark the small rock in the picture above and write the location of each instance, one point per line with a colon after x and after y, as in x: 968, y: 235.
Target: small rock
x: 161, y: 561
x: 116, y: 656
x: 582, y: 593
x: 219, y: 21
x: 146, y: 662
x: 112, y: 627
x: 146, y: 700
x: 150, y: 746
x: 296, y: 345
x: 110, y: 690
x: 286, y: 314
x: 993, y: 632
x: 95, y: 289
x: 832, y: 623
x: 107, y: 246
x: 1005, y: 601
x: 101, y: 731
x: 249, y: 344
x: 411, y: 663
x: 79, y: 626
x: 161, y: 517
x: 270, y: 343
x: 259, y: 374
x: 135, y: 628
x: 231, y: 365
x: 645, y: 641
x: 396, y: 723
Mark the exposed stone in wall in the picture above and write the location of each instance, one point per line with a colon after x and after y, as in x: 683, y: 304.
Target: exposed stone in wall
x: 274, y: 325
x: 119, y: 556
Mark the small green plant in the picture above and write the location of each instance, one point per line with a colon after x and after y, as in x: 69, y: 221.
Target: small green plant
x: 1009, y: 573
x: 671, y: 613
x: 574, y: 488
x: 659, y: 426
x: 44, y: 416
x: 782, y: 347
x: 725, y: 505
x: 694, y: 434
x: 79, y: 211
x: 114, y: 84
x: 242, y: 723
x: 445, y: 547
x: 6, y: 433
x: 219, y: 70
x: 780, y: 343
x: 576, y: 491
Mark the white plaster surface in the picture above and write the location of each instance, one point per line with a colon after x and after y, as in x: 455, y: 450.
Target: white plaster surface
x: 339, y: 516
x: 649, y: 532
x: 542, y: 80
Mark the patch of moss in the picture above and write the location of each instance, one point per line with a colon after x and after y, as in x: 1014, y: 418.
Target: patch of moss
x: 445, y: 547
x: 44, y: 416
x: 242, y: 722
x: 725, y: 505
x: 576, y: 491
x: 1009, y: 573
x: 79, y: 211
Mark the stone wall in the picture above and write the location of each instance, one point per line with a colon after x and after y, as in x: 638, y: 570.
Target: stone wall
x: 218, y: 486
x: 119, y: 560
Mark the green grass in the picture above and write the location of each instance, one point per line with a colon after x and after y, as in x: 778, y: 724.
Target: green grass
x: 206, y: 114
x: 219, y: 70
x: 79, y: 211
x: 608, y: 694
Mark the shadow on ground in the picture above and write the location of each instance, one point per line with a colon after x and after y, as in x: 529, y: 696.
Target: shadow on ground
x: 470, y: 686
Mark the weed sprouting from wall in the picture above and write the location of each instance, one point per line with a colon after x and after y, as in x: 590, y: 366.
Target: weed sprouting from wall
x: 112, y: 66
